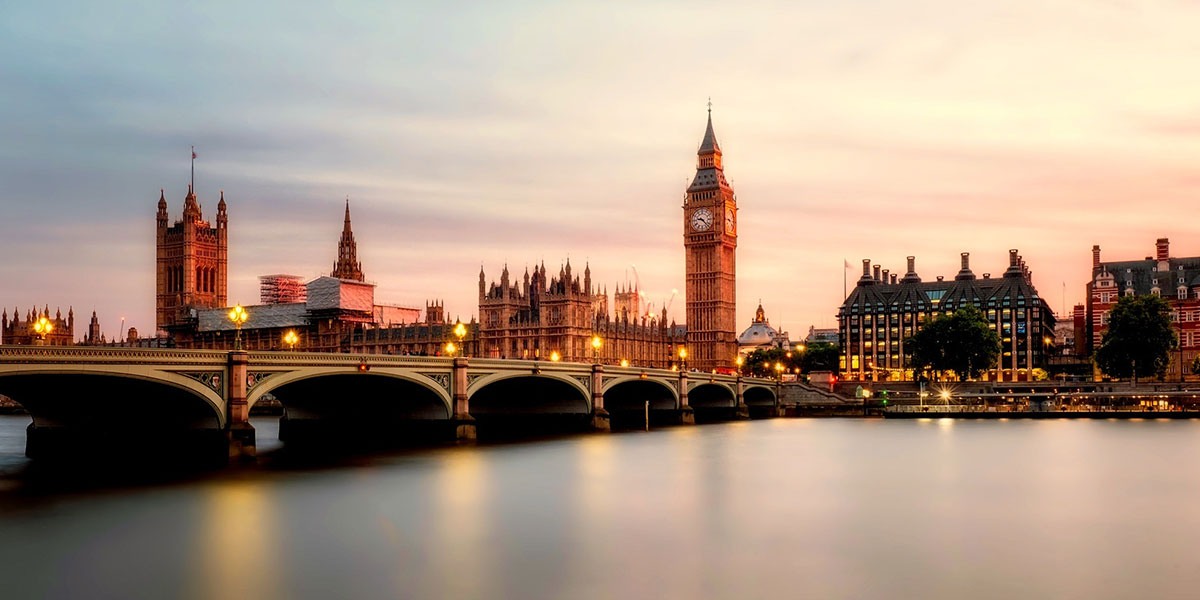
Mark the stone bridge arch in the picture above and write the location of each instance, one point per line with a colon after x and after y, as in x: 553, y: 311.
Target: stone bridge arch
x: 269, y: 382
x: 522, y: 402
x: 343, y: 405
x: 142, y: 412
x: 711, y: 394
x: 632, y: 392
x: 759, y: 395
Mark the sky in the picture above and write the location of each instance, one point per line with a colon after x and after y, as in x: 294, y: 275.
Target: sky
x: 471, y: 134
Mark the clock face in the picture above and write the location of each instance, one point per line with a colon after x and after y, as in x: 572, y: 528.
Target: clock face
x: 702, y: 220
x: 729, y: 220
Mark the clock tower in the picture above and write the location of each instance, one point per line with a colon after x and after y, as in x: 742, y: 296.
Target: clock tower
x: 710, y: 246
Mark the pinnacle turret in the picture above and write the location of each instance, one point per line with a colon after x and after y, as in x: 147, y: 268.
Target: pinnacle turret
x: 347, y: 265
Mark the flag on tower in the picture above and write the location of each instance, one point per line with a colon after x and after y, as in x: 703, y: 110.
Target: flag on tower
x: 193, y: 154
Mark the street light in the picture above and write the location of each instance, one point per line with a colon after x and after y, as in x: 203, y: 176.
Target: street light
x: 451, y: 348
x: 460, y: 331
x: 739, y: 361
x: 554, y: 357
x: 624, y: 362
x: 682, y: 358
x: 779, y: 371
x: 43, y: 327
x: 596, y: 343
x: 238, y: 315
x: 290, y: 338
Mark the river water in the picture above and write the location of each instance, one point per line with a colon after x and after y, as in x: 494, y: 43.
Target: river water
x: 787, y: 508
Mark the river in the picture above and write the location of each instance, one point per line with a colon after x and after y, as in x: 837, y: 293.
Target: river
x: 786, y: 508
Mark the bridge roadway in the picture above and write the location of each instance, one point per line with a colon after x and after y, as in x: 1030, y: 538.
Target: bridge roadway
x: 150, y: 401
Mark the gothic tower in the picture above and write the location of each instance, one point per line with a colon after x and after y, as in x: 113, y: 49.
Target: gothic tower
x: 347, y: 265
x: 710, y: 245
x: 192, y: 261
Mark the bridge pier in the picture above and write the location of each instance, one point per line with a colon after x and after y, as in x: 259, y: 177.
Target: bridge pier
x: 600, y: 416
x: 240, y: 433
x: 687, y: 416
x: 743, y: 411
x: 464, y: 423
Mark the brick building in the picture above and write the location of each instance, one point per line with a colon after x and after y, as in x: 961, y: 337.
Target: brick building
x: 1177, y: 280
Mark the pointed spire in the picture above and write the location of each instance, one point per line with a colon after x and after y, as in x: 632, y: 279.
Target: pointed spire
x: 347, y: 265
x: 221, y: 204
x: 162, y: 200
x: 709, y: 145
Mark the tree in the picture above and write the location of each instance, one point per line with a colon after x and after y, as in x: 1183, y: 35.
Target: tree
x: 962, y: 343
x: 1139, y: 339
x: 1196, y: 366
x: 820, y: 356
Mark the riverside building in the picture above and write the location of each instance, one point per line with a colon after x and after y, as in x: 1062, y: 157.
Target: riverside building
x: 885, y: 309
x: 1177, y: 280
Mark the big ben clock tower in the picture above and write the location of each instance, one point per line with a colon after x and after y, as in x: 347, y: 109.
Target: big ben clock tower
x: 710, y: 245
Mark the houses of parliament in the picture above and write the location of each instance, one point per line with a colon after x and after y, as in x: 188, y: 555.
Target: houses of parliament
x: 541, y: 316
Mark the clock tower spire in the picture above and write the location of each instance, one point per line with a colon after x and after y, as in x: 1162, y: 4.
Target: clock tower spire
x: 710, y: 247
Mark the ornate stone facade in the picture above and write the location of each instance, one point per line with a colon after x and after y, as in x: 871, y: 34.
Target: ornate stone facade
x: 710, y: 247
x: 20, y: 332
x: 546, y: 316
x: 192, y: 268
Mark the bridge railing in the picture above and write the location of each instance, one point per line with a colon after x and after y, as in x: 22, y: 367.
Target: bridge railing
x: 94, y: 354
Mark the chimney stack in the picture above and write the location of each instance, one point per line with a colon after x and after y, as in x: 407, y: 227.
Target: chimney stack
x: 1162, y: 249
x: 966, y: 261
x: 866, y: 268
x: 876, y: 271
x: 885, y: 275
x: 912, y: 265
x: 1012, y: 258
x: 894, y: 278
x: 1096, y: 256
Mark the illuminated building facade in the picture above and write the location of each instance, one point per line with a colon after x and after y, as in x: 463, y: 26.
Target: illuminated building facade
x: 545, y: 316
x: 884, y: 309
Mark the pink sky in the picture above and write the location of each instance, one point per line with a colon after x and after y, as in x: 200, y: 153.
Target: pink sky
x: 531, y: 131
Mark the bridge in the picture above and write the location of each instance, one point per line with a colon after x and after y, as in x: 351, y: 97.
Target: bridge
x: 199, y: 401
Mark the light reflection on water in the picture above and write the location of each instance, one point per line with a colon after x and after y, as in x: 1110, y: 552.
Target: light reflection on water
x: 782, y: 508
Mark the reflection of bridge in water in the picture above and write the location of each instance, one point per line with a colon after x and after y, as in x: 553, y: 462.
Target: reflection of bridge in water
x: 198, y: 401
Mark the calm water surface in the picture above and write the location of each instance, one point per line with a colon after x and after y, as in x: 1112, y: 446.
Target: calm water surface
x: 767, y: 509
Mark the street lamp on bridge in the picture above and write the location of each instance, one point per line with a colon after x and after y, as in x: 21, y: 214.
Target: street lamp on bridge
x: 596, y: 343
x: 43, y: 327
x: 239, y: 316
x: 451, y: 348
x: 460, y: 331
x: 290, y: 338
x: 682, y: 358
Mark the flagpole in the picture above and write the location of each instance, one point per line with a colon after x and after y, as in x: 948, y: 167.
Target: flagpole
x: 844, y: 267
x: 193, y: 183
